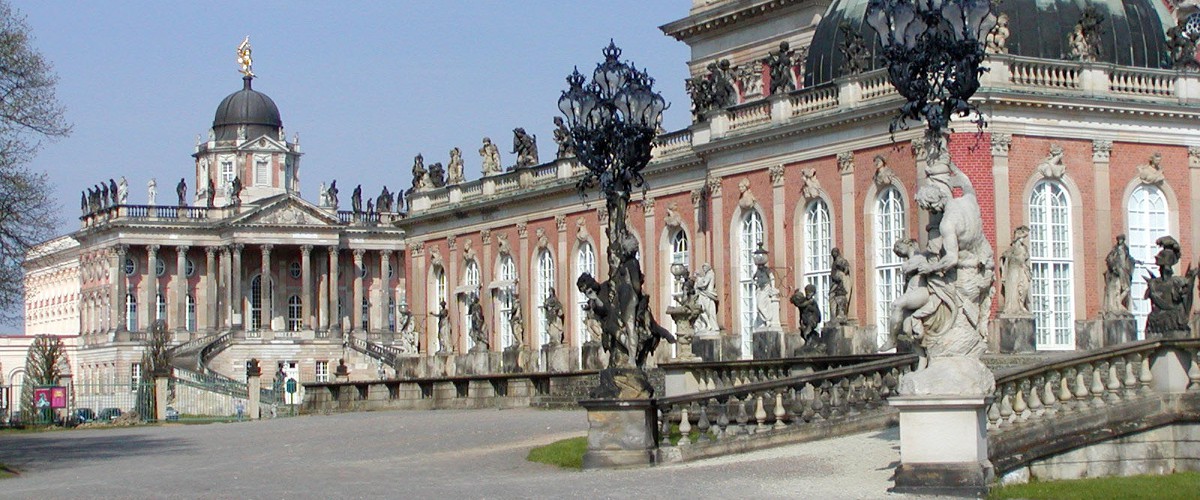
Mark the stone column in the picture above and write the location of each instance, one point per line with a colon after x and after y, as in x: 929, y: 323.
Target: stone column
x: 356, y: 306
x: 323, y: 298
x: 649, y: 254
x: 235, y: 273
x: 1000, y: 146
x: 264, y: 295
x: 566, y: 283
x: 779, y: 242
x: 306, y: 291
x: 180, y: 288
x: 849, y: 241
x: 525, y: 262
x: 225, y: 289
x: 1101, y: 150
x: 1194, y: 194
x: 210, y: 289
x: 149, y: 303
x: 119, y: 286
x: 335, y: 323
x: 385, y: 290
x: 718, y: 260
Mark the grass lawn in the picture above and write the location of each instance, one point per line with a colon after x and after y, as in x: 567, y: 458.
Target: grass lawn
x: 5, y: 472
x: 1180, y: 485
x: 567, y: 453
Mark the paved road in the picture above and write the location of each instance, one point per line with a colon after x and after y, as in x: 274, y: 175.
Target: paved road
x: 399, y: 454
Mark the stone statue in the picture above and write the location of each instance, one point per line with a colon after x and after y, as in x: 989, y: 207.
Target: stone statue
x: 909, y: 310
x: 454, y: 171
x: 151, y: 192
x: 712, y: 90
x: 478, y: 324
x: 706, y: 298
x: 103, y: 188
x: 516, y: 321
x: 554, y: 317
x: 685, y: 312
x: 1170, y: 296
x: 408, y: 337
x: 332, y: 195
x: 809, y: 310
x: 525, y: 147
x: 322, y: 196
x: 1015, y: 274
x: 1181, y: 46
x: 400, y: 202
x: 356, y: 201
x: 244, y: 59
x: 780, y: 64
x: 1152, y: 171
x: 841, y: 287
x: 1084, y: 39
x: 123, y: 191
x: 211, y: 194
x: 201, y: 177
x: 856, y: 58
x: 766, y: 298
x: 997, y: 39
x: 235, y: 192
x: 112, y: 191
x: 562, y: 137
x: 384, y: 202
x: 437, y: 175
x: 1052, y: 166
x: 181, y: 190
x: 419, y: 181
x: 1118, y: 278
x: 370, y: 207
x: 443, y: 326
x: 491, y: 157
x: 83, y: 202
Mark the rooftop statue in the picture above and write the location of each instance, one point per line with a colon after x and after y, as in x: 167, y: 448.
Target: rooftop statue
x: 235, y: 192
x: 419, y: 181
x: 331, y: 195
x: 322, y: 195
x: 454, y: 170
x: 151, y: 192
x: 437, y: 175
x: 356, y: 205
x: 562, y: 137
x: 181, y: 190
x: 491, y: 157
x: 779, y: 64
x: 525, y: 147
x: 244, y: 60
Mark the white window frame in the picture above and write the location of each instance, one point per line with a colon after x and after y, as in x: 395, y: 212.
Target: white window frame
x: 585, y: 262
x: 322, y: 370
x: 1052, y: 294
x: 295, y: 317
x: 262, y: 170
x: 506, y: 272
x: 751, y: 233
x: 545, y: 280
x: 131, y: 309
x: 160, y: 302
x: 470, y: 281
x: 889, y: 278
x: 818, y: 243
x: 1147, y: 219
x: 190, y: 321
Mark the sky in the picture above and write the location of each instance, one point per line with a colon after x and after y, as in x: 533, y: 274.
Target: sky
x: 366, y: 85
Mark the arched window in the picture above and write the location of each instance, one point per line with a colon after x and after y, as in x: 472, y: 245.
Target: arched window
x: 470, y: 282
x: 545, y: 281
x: 257, y: 314
x: 437, y: 294
x: 131, y: 320
x: 294, y: 314
x: 1052, y: 294
x: 818, y: 242
x: 1147, y: 221
x: 749, y: 237
x: 191, y: 313
x: 505, y: 300
x: 889, y: 279
x: 585, y: 262
x: 160, y: 312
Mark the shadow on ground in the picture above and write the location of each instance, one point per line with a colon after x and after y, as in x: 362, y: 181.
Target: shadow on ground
x: 48, y: 451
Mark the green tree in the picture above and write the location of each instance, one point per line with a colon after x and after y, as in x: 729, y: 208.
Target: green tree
x: 29, y: 115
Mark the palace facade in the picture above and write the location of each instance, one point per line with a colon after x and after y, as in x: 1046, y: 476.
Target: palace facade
x: 1082, y: 144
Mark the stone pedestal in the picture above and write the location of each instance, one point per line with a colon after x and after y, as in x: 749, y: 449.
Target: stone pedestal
x: 708, y: 347
x: 768, y: 344
x: 1107, y: 330
x: 444, y: 365
x: 161, y: 391
x: 594, y: 357
x: 410, y: 367
x: 838, y: 339
x: 621, y: 433
x: 1015, y: 333
x: 1120, y: 329
x: 476, y: 362
x: 556, y: 358
x: 254, y: 393
x: 514, y: 360
x: 943, y: 445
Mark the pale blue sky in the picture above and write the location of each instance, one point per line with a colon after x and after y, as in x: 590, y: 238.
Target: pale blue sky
x: 367, y: 85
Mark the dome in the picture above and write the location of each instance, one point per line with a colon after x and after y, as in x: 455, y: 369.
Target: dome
x: 1134, y: 33
x: 247, y: 107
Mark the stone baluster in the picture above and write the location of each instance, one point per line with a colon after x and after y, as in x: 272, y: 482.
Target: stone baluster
x: 703, y: 425
x: 1097, y: 387
x: 802, y: 405
x: 1193, y: 373
x: 685, y: 427
x: 742, y: 417
x: 993, y: 413
x: 1145, y: 376
x: 1020, y: 409
x: 1114, y: 382
x: 779, y: 411
x: 1131, y: 381
x: 853, y: 396
x: 722, y: 430
x: 664, y: 437
x: 1081, y: 389
x: 1064, y: 390
x: 1048, y: 397
x: 819, y: 408
x: 1006, y: 405
x: 1036, y: 408
x: 760, y: 414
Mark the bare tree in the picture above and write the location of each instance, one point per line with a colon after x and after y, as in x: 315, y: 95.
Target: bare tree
x: 29, y: 114
x: 45, y: 364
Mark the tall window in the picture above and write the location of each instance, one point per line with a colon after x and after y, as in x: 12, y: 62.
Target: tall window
x: 131, y: 321
x: 366, y: 315
x: 257, y: 314
x: 191, y: 313
x: 438, y: 295
x: 262, y: 172
x: 818, y: 242
x: 294, y: 314
x: 322, y: 371
x: 749, y: 237
x: 227, y: 174
x: 160, y: 312
x: 471, y: 281
x: 505, y: 301
x: 1147, y: 221
x: 135, y: 376
x: 545, y: 281
x: 1050, y: 256
x: 391, y: 314
x: 679, y: 255
x: 585, y: 262
x: 889, y: 279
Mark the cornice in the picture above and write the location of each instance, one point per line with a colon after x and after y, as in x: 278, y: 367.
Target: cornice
x: 723, y: 16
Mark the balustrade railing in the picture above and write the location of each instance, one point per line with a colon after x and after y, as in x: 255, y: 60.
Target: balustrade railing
x: 813, y: 99
x: 750, y: 114
x: 1142, y: 82
x: 387, y: 355
x: 713, y: 375
x: 806, y: 405
x: 672, y: 143
x: 1045, y: 73
x: 875, y: 85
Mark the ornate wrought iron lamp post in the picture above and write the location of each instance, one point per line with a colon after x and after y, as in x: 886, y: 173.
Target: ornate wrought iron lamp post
x: 933, y: 50
x: 613, y: 121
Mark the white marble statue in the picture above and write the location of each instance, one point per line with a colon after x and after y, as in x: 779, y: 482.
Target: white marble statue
x: 706, y: 298
x: 122, y: 191
x: 322, y: 196
x: 151, y: 192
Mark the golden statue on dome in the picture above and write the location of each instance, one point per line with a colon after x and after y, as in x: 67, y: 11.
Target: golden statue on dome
x: 243, y: 52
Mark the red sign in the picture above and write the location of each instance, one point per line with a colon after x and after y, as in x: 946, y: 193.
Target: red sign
x: 58, y: 397
x: 41, y: 398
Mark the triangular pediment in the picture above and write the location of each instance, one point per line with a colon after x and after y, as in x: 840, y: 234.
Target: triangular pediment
x: 264, y: 143
x: 286, y: 210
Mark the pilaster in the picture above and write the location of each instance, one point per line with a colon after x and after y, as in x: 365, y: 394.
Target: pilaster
x: 180, y: 289
x: 306, y: 291
x: 850, y: 225
x: 149, y: 287
x: 1101, y: 151
x: 265, y: 283
x: 1000, y: 147
x: 235, y: 291
x: 120, y: 283
x: 335, y: 318
x: 356, y: 305
x: 211, y: 299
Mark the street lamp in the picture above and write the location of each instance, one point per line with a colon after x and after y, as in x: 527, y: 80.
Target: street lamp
x: 933, y: 50
x: 613, y: 120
